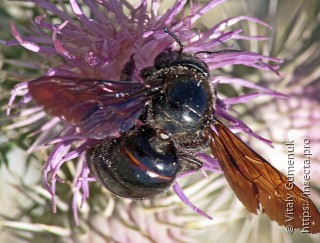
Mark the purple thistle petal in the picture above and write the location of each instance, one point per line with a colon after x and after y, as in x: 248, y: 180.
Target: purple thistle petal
x: 61, y: 72
x: 80, y: 182
x: 266, y: 66
x: 50, y: 125
x: 16, y: 90
x: 26, y: 44
x: 244, y: 83
x: 55, y: 156
x: 231, y: 21
x: 27, y: 122
x: 44, y: 136
x: 95, y: 10
x: 58, y: 45
x: 216, y: 41
x: 30, y: 111
x: 70, y: 155
x: 207, y: 7
x: 88, y: 23
x: 206, y: 167
x: 210, y: 163
x: 76, y: 152
x: 244, y: 37
x: 249, y: 97
x: 25, y: 99
x: 243, y: 58
x: 177, y: 189
x: 53, y: 193
x: 172, y: 13
x: 75, y: 137
x: 39, y: 20
x: 204, y: 173
x: 212, y: 32
x: 84, y: 183
x: 239, y: 125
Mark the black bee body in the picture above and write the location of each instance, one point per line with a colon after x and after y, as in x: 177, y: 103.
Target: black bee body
x: 145, y: 161
x: 140, y: 164
x: 184, y: 105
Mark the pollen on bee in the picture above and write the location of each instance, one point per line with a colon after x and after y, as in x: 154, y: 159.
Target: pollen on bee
x: 164, y: 136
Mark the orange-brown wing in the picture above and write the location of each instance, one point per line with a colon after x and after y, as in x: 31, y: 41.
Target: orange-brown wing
x: 255, y: 181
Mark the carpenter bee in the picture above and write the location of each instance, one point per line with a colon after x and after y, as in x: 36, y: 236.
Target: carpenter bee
x: 148, y: 133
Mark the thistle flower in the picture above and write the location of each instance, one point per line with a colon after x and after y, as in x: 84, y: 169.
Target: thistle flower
x: 98, y: 43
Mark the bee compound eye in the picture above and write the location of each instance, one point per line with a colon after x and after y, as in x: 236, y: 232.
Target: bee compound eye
x: 137, y: 166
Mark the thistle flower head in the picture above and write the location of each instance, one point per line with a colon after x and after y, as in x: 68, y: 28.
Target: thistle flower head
x: 96, y: 39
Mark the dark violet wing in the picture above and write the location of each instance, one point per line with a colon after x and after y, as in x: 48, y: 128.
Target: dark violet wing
x: 257, y: 183
x: 99, y: 108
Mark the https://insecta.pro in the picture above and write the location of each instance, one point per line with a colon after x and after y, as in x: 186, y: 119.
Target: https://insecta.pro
x: 148, y: 133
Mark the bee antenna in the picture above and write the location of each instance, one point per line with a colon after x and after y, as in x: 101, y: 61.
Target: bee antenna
x: 217, y: 52
x: 174, y: 37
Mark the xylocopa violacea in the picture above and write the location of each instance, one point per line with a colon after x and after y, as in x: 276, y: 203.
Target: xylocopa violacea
x: 147, y: 134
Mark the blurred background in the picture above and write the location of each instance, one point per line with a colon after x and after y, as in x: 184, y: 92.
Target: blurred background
x: 25, y: 207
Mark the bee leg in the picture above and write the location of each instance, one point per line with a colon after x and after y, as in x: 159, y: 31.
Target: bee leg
x: 147, y: 72
x: 189, y: 163
x: 127, y: 70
